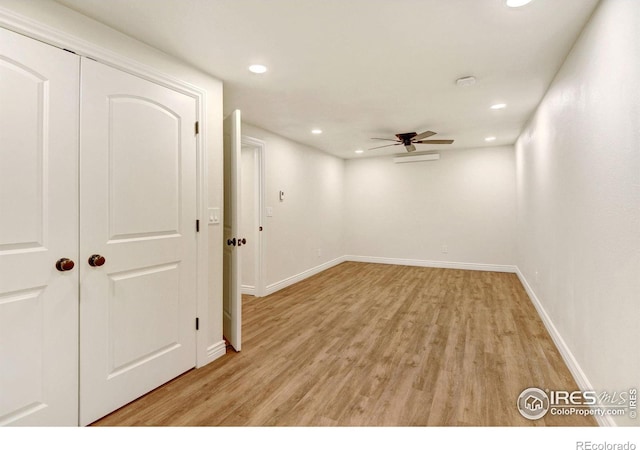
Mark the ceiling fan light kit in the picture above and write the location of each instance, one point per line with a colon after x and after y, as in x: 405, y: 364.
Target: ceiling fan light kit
x: 409, y: 139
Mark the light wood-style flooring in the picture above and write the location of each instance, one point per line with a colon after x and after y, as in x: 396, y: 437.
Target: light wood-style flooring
x: 372, y: 345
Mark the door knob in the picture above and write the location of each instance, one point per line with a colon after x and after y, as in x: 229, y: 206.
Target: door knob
x: 96, y: 260
x: 64, y: 264
x: 231, y: 242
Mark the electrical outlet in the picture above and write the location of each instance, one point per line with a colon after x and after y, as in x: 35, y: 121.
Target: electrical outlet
x: 319, y: 252
x: 445, y: 249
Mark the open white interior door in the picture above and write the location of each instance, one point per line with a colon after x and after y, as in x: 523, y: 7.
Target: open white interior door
x: 232, y: 297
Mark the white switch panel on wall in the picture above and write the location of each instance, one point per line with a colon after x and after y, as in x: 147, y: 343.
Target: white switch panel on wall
x: 269, y: 211
x: 214, y: 216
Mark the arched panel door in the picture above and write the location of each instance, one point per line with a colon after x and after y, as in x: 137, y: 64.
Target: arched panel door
x: 137, y: 237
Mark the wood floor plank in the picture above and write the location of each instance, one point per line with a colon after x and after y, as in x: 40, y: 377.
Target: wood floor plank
x: 372, y: 345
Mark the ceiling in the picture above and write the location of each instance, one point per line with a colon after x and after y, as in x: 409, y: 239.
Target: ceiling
x: 359, y: 69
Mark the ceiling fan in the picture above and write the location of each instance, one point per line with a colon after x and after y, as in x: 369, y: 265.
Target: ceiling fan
x: 408, y: 139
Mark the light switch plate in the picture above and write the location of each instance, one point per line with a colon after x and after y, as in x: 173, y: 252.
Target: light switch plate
x: 269, y: 211
x: 214, y: 216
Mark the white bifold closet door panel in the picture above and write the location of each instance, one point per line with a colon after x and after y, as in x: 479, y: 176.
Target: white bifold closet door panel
x: 38, y: 226
x: 138, y: 215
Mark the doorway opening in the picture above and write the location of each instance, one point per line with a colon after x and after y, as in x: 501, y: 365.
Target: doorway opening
x: 252, y: 223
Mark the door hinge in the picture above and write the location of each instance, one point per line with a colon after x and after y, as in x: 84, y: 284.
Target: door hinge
x: 197, y: 323
x: 197, y: 127
x: 198, y: 226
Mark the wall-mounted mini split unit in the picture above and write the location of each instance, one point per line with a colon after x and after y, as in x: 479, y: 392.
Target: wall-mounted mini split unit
x: 416, y: 158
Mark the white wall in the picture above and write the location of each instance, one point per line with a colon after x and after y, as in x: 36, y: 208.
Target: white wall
x: 310, y: 217
x: 578, y: 178
x: 464, y: 201
x: 70, y: 26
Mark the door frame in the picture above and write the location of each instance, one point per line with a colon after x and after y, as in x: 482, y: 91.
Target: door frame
x: 49, y: 35
x: 259, y: 147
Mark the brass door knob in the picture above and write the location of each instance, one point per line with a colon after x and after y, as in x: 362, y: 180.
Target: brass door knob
x: 64, y: 264
x: 96, y: 260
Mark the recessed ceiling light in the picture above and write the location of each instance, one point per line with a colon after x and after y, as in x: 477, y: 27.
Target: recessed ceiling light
x: 316, y: 131
x: 517, y: 3
x: 490, y: 138
x: 499, y: 106
x: 359, y: 151
x: 257, y: 68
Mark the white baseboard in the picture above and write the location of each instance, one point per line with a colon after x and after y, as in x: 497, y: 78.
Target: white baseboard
x: 214, y: 352
x: 248, y: 290
x: 435, y: 264
x: 302, y: 275
x: 380, y: 260
x: 574, y: 367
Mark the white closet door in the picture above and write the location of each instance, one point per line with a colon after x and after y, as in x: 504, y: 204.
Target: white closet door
x: 38, y: 226
x: 138, y: 214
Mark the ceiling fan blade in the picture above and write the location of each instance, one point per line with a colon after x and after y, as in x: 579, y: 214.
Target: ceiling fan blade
x: 385, y: 139
x: 382, y: 146
x: 410, y: 148
x: 426, y: 134
x: 435, y: 141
